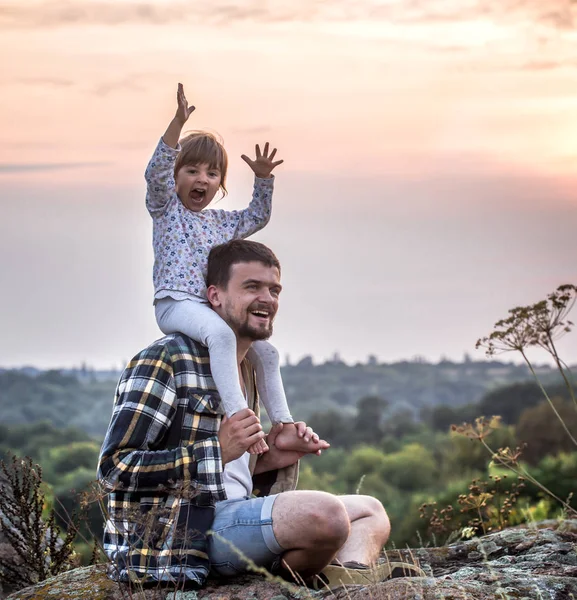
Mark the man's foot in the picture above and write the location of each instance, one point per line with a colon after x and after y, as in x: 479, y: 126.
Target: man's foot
x: 354, y: 573
x: 288, y: 439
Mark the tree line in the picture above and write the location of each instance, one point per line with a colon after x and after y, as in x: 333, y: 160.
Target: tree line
x: 405, y: 459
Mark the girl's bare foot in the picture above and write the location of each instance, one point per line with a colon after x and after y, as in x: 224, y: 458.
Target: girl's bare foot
x: 288, y: 439
x: 259, y: 448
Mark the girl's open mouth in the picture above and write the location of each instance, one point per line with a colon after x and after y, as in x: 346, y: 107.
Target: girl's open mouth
x: 198, y: 195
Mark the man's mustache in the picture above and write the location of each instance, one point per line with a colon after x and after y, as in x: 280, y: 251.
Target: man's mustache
x: 263, y: 306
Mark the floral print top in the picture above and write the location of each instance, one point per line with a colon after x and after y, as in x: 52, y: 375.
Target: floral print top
x: 182, y: 239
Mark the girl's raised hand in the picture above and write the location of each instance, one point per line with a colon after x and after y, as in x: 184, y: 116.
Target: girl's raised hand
x: 183, y: 111
x: 263, y: 164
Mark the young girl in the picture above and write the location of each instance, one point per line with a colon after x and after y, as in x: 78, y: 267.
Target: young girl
x: 182, y: 180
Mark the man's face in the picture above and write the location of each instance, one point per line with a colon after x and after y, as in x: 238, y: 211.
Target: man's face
x: 250, y: 301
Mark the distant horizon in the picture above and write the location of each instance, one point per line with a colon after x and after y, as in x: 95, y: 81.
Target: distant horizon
x: 539, y: 360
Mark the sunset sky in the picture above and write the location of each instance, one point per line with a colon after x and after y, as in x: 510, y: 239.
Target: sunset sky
x: 429, y: 181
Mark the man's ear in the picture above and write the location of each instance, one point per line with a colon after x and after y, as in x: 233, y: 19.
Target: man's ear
x: 213, y: 296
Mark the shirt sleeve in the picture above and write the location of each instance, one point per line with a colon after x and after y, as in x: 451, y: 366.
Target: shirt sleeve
x: 131, y: 459
x: 159, y: 175
x: 243, y: 223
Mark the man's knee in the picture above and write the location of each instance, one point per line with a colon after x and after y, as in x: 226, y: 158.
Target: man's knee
x: 330, y: 520
x: 311, y: 519
x: 374, y: 506
x: 375, y: 509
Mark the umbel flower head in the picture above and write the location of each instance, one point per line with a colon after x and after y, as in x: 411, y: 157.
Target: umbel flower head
x: 480, y: 429
x: 506, y: 456
x: 538, y: 324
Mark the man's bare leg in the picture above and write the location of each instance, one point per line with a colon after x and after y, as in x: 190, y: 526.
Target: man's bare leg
x: 312, y: 526
x: 370, y: 529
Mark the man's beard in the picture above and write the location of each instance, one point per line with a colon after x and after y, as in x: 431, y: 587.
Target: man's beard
x: 244, y: 330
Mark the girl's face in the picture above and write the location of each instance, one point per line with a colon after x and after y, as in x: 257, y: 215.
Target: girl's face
x: 196, y: 185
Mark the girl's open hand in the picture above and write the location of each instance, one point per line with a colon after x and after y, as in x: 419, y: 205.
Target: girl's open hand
x: 263, y: 164
x: 183, y: 111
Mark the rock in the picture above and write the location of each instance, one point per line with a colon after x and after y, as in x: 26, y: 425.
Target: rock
x: 8, y: 555
x: 528, y: 563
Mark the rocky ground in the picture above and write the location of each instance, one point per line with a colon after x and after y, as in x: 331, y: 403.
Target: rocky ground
x: 537, y: 562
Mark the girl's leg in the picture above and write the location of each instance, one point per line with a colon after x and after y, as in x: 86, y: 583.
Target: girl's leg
x: 265, y: 359
x: 199, y: 322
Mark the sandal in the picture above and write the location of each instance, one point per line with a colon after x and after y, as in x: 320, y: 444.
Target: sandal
x: 355, y: 573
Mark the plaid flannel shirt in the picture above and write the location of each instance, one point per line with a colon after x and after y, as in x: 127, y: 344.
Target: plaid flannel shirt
x: 161, y: 464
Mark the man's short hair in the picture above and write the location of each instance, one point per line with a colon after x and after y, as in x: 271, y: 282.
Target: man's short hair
x: 224, y: 256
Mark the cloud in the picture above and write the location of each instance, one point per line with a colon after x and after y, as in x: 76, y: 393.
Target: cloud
x: 514, y: 64
x: 18, y: 145
x: 547, y: 65
x: 54, y: 81
x: 257, y: 130
x: 36, y: 167
x: 135, y: 82
x: 124, y: 83
x: 558, y: 13
x: 57, y: 13
x: 444, y: 26
x: 53, y: 13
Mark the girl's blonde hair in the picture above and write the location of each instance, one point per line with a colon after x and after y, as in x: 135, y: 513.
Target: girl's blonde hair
x: 202, y: 147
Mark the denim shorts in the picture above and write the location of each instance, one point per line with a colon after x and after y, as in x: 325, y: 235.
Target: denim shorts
x: 243, y: 528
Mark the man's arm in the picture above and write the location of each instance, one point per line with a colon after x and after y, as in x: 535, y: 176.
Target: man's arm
x: 144, y: 409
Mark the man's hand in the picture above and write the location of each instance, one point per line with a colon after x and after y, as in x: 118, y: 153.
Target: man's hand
x: 183, y: 111
x: 263, y: 165
x: 276, y: 458
x: 238, y: 433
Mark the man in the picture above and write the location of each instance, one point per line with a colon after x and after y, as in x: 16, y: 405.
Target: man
x: 182, y: 485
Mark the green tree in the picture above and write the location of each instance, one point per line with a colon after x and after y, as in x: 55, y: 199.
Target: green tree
x: 309, y: 479
x: 559, y: 474
x: 510, y: 401
x: 542, y: 431
x: 368, y: 424
x: 362, y: 462
x: 65, y: 459
x: 67, y: 503
x: 412, y: 468
x: 465, y: 457
x: 399, y: 424
x: 332, y: 426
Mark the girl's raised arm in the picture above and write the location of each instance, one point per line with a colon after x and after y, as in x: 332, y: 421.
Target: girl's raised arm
x: 159, y: 173
x: 183, y: 111
x: 263, y: 165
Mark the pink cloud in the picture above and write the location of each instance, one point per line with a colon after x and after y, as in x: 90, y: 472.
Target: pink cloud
x: 556, y: 13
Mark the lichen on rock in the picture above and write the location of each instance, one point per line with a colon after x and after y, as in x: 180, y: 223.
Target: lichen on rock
x: 520, y: 563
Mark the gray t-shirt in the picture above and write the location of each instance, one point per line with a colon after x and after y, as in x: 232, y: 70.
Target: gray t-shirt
x: 236, y: 476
